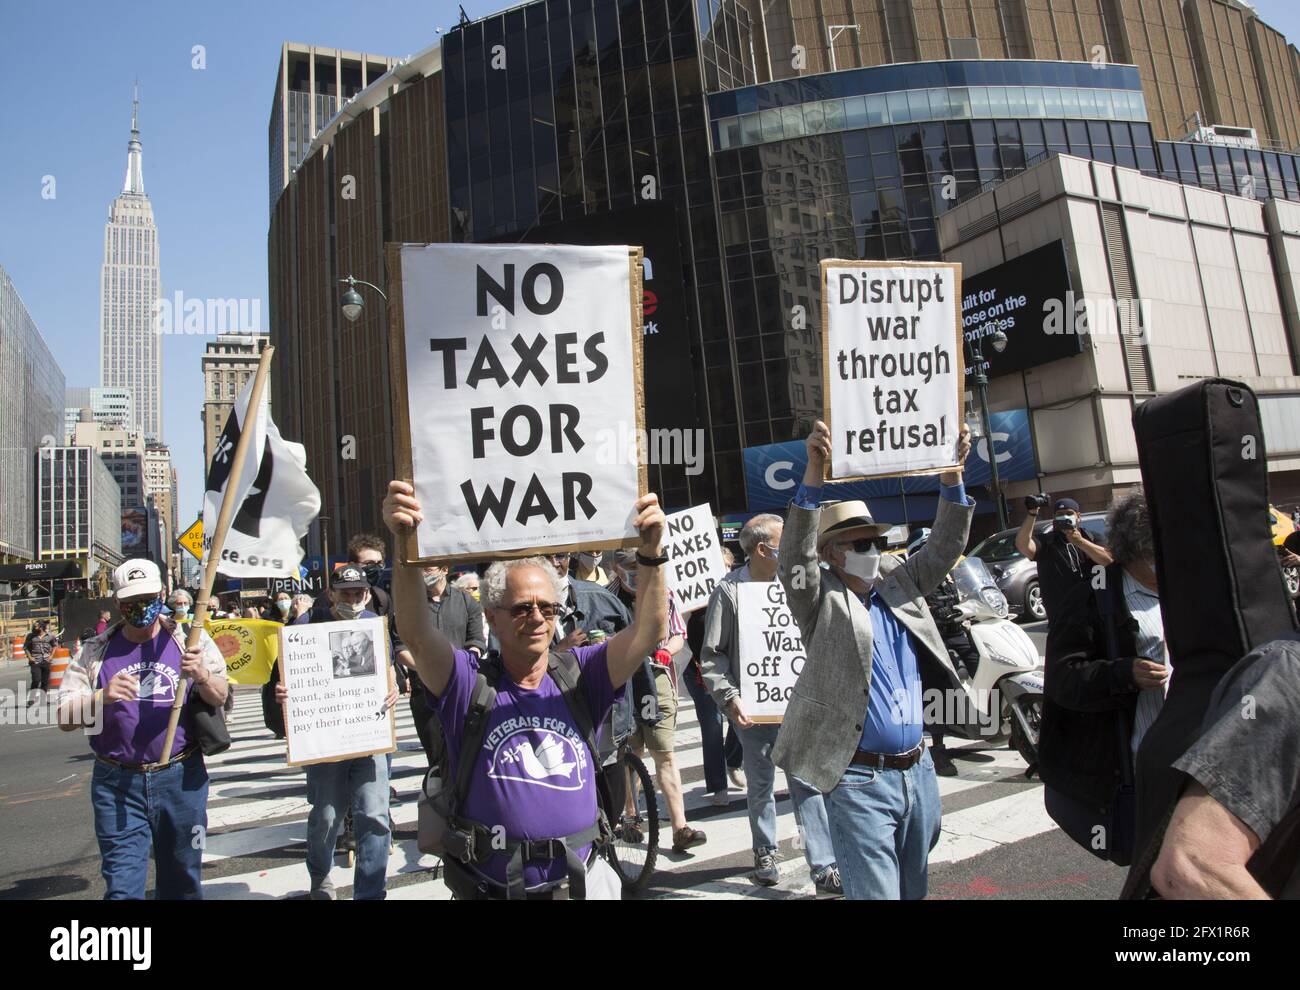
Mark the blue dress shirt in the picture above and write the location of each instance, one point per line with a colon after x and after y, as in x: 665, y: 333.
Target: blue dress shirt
x: 894, y: 711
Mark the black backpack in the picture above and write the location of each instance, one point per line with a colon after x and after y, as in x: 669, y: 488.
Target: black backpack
x: 463, y: 843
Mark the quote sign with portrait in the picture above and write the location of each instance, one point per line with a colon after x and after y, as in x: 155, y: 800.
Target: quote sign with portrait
x: 337, y: 677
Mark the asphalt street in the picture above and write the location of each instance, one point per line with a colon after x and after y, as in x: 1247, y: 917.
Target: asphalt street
x: 991, y: 849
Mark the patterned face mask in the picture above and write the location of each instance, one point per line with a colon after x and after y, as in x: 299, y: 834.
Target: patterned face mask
x: 142, y: 615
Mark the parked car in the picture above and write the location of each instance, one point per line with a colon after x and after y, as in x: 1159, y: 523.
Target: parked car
x: 1282, y: 528
x: 1016, y: 575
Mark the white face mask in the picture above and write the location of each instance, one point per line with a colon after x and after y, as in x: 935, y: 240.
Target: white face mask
x: 347, y: 610
x: 863, y: 565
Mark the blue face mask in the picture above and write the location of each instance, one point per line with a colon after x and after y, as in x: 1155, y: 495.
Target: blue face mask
x: 142, y: 616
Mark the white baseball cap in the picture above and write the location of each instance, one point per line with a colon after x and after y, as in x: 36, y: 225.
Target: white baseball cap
x: 135, y: 578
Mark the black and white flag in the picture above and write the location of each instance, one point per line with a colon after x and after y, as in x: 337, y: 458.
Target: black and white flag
x: 275, y: 502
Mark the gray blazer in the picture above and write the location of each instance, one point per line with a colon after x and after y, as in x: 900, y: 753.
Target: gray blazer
x: 823, y: 722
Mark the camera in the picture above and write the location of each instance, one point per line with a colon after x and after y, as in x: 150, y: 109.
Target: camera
x: 1038, y: 501
x: 1065, y: 525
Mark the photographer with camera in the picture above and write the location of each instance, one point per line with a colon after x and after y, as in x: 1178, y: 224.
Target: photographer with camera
x: 1064, y: 555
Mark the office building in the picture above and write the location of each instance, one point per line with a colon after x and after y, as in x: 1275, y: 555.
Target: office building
x: 228, y: 363
x: 130, y: 354
x: 32, y: 384
x: 80, y: 509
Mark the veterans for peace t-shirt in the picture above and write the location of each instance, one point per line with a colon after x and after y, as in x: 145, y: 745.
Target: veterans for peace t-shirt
x: 134, y: 731
x: 533, y: 774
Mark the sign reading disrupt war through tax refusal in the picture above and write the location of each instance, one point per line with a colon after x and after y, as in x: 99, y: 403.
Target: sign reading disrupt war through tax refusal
x: 518, y: 370
x: 892, y: 366
x: 770, y: 649
x: 695, y: 564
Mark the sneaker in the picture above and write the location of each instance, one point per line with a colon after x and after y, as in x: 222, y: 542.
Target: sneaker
x: 829, y: 883
x: 323, y: 891
x: 737, y: 777
x: 765, y: 870
x: 630, y: 831
x: 687, y: 838
x: 392, y: 796
x: 719, y: 799
x: 943, y: 764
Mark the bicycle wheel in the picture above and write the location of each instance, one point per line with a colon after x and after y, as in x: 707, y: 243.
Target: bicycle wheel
x: 635, y: 843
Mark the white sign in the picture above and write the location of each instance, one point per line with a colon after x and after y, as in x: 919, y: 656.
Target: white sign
x: 893, y: 364
x: 337, y: 677
x: 770, y: 650
x: 522, y: 391
x: 695, y: 564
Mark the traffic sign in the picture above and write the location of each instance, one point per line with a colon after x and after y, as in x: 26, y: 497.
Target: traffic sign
x: 192, y: 539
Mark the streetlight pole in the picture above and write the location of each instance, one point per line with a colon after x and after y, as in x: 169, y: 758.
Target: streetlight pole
x: 352, y: 303
x: 999, y: 342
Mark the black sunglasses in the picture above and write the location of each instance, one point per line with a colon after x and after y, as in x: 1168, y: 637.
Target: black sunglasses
x: 523, y: 610
x: 864, y: 544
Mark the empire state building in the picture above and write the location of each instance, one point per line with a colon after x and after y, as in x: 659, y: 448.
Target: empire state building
x: 130, y: 351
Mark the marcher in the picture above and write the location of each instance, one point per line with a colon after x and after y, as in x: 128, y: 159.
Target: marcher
x: 123, y: 681
x: 361, y: 783
x: 659, y: 736
x: 105, y: 617
x: 1235, y: 832
x: 586, y: 566
x: 40, y: 644
x: 586, y: 606
x: 459, y: 617
x: 1106, y: 676
x: 855, y: 738
x: 180, y: 603
x: 760, y: 538
x: 549, y: 830
x: 1065, y: 555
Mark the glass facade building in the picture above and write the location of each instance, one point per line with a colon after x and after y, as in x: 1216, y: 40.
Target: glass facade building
x: 31, y: 415
x: 639, y: 121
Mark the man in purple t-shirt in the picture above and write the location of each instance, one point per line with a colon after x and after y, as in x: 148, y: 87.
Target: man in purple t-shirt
x: 534, y: 778
x: 121, y: 687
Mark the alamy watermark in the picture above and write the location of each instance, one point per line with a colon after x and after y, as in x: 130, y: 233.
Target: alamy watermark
x: 204, y: 316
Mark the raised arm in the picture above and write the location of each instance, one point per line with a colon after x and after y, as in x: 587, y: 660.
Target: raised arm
x: 797, y: 567
x: 1025, y: 542
x: 433, y: 653
x: 650, y: 622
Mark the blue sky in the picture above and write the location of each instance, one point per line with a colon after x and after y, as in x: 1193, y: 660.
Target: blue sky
x: 66, y: 71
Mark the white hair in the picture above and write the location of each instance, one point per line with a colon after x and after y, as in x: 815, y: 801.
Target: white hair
x: 758, y: 530
x: 492, y: 587
x: 462, y: 581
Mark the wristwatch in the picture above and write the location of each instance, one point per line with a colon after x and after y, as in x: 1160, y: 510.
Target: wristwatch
x: 650, y: 561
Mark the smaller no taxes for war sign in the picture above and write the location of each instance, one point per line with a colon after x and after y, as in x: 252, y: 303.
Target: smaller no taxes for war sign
x: 695, y: 564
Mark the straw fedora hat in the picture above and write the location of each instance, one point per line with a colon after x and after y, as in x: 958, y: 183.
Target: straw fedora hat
x: 840, y: 516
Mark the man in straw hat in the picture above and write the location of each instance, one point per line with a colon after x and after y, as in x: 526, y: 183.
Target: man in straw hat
x: 853, y: 728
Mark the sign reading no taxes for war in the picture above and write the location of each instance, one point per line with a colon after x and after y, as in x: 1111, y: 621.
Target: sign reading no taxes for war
x: 770, y: 650
x: 695, y: 564
x: 519, y: 399
x: 892, y: 366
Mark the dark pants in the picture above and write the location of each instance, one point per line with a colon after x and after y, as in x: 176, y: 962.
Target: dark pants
x: 424, y: 718
x: 719, y: 756
x: 166, y: 810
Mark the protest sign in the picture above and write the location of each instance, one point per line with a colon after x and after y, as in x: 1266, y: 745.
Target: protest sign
x: 892, y: 367
x: 337, y: 677
x: 695, y: 564
x: 770, y: 651
x: 519, y: 410
x: 250, y: 647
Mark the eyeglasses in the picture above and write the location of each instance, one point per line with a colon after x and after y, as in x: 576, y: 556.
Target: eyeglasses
x: 863, y: 544
x: 523, y: 610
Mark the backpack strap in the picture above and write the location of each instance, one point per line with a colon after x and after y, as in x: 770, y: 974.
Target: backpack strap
x: 1108, y: 598
x: 480, y: 705
x: 567, y: 674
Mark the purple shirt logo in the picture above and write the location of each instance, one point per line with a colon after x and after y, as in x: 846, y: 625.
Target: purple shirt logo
x: 544, y: 752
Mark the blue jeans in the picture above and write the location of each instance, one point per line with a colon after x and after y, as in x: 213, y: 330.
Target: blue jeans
x: 331, y: 787
x: 884, y: 824
x: 809, y: 807
x: 718, y: 756
x: 166, y: 809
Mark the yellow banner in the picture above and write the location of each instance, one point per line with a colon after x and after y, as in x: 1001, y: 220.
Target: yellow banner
x: 250, y: 647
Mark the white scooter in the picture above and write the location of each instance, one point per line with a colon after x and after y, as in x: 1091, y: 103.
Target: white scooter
x: 1000, y: 671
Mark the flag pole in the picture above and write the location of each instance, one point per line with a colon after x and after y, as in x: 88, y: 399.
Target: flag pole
x: 228, y: 506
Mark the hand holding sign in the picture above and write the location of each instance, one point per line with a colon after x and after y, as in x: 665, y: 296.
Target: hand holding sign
x: 649, y: 523
x: 963, y: 449
x: 401, y: 510
x: 819, y: 453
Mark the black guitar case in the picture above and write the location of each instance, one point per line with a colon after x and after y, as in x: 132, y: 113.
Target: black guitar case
x: 1222, y: 593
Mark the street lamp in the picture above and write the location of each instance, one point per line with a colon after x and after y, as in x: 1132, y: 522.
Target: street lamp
x: 998, y: 340
x: 352, y: 302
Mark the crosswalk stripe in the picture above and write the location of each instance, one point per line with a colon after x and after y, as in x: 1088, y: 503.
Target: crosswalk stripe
x: 258, y: 811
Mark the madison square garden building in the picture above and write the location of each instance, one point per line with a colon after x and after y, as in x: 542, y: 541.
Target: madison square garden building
x: 742, y: 142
